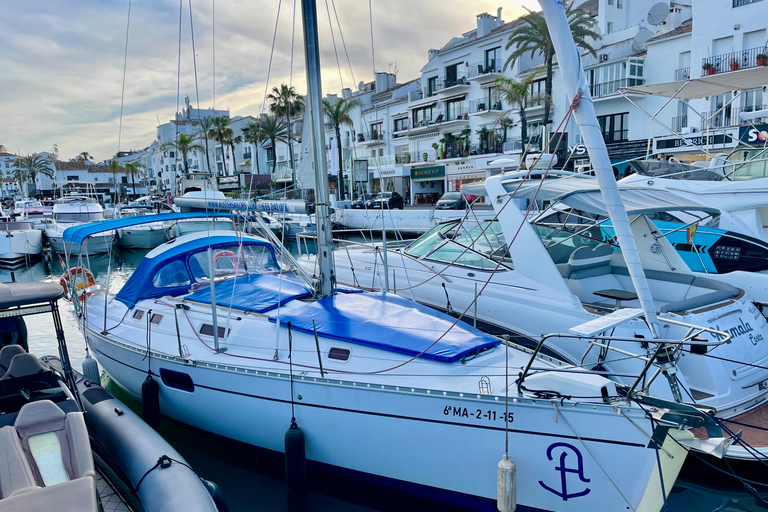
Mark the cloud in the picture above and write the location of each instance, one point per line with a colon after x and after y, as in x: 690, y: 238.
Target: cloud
x: 61, y: 65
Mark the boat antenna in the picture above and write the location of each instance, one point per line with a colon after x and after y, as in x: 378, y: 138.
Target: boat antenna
x: 314, y: 96
x: 577, y: 89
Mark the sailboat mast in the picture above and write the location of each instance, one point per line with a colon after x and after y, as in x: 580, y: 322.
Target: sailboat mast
x: 314, y: 100
x: 576, y: 82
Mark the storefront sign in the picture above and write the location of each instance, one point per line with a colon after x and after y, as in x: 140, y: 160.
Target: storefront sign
x: 755, y: 135
x: 698, y: 140
x: 628, y: 149
x: 428, y: 173
x: 463, y: 177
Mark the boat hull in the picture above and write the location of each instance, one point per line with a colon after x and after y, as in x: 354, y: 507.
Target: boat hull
x: 445, y: 440
x: 19, y: 246
x: 144, y: 237
x: 97, y: 244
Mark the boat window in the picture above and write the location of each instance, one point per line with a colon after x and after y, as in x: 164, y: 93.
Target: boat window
x: 172, y: 274
x: 340, y: 354
x: 156, y: 319
x: 749, y: 164
x: 176, y: 380
x: 233, y: 260
x: 434, y: 237
x: 207, y: 330
x: 78, y: 216
x: 560, y: 243
x: 138, y: 314
x: 453, y: 253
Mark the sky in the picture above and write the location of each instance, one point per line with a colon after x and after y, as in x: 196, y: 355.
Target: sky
x: 61, y: 63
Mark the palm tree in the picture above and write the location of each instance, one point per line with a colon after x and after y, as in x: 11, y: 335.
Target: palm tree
x: 114, y: 168
x: 206, y: 124
x: 134, y: 168
x: 220, y: 132
x: 517, y: 93
x: 272, y: 130
x: 338, y: 115
x: 26, y: 168
x: 84, y: 156
x: 232, y: 140
x: 183, y: 145
x: 286, y: 103
x: 255, y: 136
x: 533, y: 36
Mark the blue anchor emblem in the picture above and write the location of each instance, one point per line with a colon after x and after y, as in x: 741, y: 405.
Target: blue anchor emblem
x: 564, y: 470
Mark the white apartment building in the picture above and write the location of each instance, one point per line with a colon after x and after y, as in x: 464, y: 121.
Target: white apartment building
x: 10, y: 187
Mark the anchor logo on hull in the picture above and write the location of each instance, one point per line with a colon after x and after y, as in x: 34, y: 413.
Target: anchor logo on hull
x: 565, y: 450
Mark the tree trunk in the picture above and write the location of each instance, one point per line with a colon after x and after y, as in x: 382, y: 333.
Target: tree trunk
x: 290, y: 150
x: 133, y: 182
x: 207, y: 156
x: 223, y: 160
x: 548, y: 89
x: 256, y: 156
x: 523, y: 133
x: 234, y: 158
x: 274, y: 159
x: 340, y: 177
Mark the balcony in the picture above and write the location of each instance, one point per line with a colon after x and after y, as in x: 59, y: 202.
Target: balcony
x: 481, y: 107
x: 485, y: 71
x: 610, y: 88
x: 739, y: 3
x: 370, y: 139
x: 453, y: 84
x: 682, y: 74
x: 734, y: 61
x: 403, y: 158
x: 728, y: 117
x: 380, y: 161
x: 679, y: 122
x: 400, y: 130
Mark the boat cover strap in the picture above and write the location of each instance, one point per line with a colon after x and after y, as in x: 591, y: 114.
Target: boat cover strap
x: 389, y: 322
x: 257, y: 293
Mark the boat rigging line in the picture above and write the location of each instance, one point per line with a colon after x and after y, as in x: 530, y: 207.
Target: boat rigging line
x: 122, y: 91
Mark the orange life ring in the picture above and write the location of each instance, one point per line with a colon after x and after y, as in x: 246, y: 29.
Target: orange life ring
x: 82, y: 281
x: 226, y: 254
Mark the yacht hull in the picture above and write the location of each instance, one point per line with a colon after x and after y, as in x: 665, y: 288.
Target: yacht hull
x: 98, y: 244
x: 446, y: 440
x: 18, y: 246
x: 145, y: 237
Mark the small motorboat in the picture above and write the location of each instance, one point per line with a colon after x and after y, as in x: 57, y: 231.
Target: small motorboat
x: 67, y: 444
x: 20, y: 242
x: 77, y: 206
x: 143, y: 236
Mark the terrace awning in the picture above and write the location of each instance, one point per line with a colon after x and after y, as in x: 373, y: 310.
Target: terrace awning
x: 709, y: 85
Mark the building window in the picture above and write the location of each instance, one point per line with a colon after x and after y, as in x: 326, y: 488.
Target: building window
x: 401, y: 124
x: 451, y: 75
x: 636, y: 72
x: 456, y: 110
x: 619, y: 4
x: 615, y: 127
x: 610, y: 2
x: 401, y: 154
x: 422, y: 116
x: 493, y: 60
x: 431, y: 86
x: 538, y: 89
x: 608, y: 27
x: 377, y: 130
x: 73, y: 178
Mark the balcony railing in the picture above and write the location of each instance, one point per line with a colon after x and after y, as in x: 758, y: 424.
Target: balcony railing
x: 455, y: 114
x: 729, y: 117
x: 484, y: 68
x: 438, y: 116
x: 484, y: 106
x: 381, y: 160
x: 682, y: 74
x: 367, y: 137
x: 612, y: 87
x: 679, y: 122
x: 459, y: 79
x: 744, y: 59
x: 739, y: 3
x: 403, y: 158
x: 402, y: 127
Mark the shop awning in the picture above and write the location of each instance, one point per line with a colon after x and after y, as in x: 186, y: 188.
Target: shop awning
x: 709, y: 85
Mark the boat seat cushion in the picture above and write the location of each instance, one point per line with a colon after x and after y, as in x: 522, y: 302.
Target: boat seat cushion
x: 16, y: 476
x: 74, y: 496
x: 72, y: 447
x: 7, y: 354
x: 585, y: 258
x: 23, y: 365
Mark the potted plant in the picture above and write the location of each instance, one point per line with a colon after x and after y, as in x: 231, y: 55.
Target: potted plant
x: 436, y: 147
x: 734, y: 64
x: 464, y: 141
x: 708, y: 68
x: 762, y: 59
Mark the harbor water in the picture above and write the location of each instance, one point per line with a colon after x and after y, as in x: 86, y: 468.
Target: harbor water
x: 255, y: 481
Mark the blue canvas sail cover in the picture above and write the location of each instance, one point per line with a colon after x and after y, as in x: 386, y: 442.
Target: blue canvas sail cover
x: 389, y: 322
x: 255, y: 292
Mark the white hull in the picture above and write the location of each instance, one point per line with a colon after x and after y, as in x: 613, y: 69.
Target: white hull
x: 19, y: 245
x: 142, y: 237
x: 446, y: 440
x: 97, y: 244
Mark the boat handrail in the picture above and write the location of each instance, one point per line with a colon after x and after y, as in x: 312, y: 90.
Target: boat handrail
x: 691, y: 338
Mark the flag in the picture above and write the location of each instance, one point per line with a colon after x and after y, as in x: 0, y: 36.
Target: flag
x: 691, y: 231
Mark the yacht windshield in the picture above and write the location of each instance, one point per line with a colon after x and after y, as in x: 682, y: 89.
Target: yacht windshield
x: 232, y: 261
x: 79, y: 217
x: 749, y: 164
x: 482, y: 246
x: 674, y: 170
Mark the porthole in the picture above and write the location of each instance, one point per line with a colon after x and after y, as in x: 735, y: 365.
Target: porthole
x: 207, y: 330
x: 339, y: 354
x: 156, y: 319
x: 177, y: 380
x: 138, y: 314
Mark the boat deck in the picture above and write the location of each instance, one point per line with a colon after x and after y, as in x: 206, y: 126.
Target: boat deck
x: 757, y: 435
x: 110, y: 499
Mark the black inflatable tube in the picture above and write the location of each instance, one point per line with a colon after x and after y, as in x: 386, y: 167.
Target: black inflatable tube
x: 133, y: 448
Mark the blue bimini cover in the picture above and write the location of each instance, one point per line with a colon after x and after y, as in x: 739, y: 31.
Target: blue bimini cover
x: 255, y: 292
x: 389, y: 322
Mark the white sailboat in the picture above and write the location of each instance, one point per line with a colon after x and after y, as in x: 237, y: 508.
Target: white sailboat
x: 242, y: 344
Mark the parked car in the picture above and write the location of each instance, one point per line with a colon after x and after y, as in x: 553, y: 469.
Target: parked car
x: 387, y: 200
x: 361, y: 201
x: 451, y: 201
